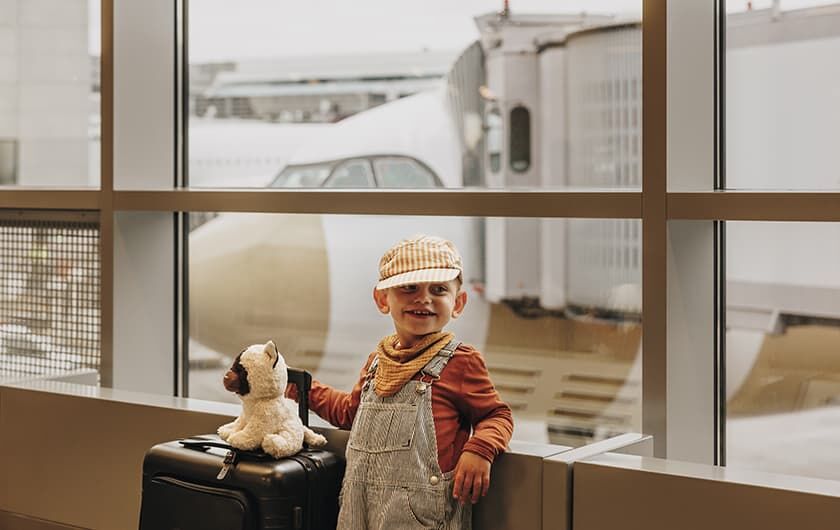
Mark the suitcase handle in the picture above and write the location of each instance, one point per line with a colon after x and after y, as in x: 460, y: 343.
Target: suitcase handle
x: 303, y: 381
x: 200, y: 443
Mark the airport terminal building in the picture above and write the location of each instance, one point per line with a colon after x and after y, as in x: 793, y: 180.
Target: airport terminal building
x: 645, y: 195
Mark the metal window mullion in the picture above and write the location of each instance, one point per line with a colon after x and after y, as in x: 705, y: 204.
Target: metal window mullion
x: 692, y: 158
x: 106, y: 197
x: 654, y: 233
x: 143, y: 134
x: 734, y: 205
x: 717, y: 205
x: 488, y: 203
x: 50, y: 199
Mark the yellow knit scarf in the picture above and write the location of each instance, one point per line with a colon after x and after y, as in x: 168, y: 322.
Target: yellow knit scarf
x: 397, y: 367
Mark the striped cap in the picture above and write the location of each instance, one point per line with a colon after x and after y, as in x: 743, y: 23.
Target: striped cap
x: 419, y: 259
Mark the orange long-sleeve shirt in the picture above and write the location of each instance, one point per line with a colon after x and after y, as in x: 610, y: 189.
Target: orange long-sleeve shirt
x: 463, y: 400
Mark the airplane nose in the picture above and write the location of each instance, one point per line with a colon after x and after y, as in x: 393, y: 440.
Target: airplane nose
x: 255, y: 277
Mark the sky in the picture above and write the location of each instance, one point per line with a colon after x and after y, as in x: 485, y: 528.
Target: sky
x: 221, y: 29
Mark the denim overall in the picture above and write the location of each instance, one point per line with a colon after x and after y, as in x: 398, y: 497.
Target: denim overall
x: 393, y: 480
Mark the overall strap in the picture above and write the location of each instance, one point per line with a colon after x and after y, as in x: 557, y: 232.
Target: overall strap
x: 372, y: 368
x: 371, y: 372
x: 436, y: 365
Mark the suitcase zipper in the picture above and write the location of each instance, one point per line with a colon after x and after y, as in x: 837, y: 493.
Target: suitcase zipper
x: 227, y: 465
x: 307, y: 513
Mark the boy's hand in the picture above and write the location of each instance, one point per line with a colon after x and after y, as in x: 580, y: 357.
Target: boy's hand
x: 472, y: 477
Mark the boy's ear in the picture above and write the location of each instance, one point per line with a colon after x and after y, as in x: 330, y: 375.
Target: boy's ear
x: 380, y: 297
x: 460, y: 303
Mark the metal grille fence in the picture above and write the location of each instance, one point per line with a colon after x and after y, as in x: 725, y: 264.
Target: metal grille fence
x: 49, y: 293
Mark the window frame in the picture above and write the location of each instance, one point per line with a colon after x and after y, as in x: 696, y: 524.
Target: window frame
x: 133, y: 182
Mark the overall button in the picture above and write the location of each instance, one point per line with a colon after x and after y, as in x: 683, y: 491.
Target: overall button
x: 433, y: 480
x: 421, y: 388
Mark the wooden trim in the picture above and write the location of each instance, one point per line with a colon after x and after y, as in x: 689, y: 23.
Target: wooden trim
x: 491, y: 203
x: 49, y: 199
x: 654, y: 222
x: 69, y: 216
x: 24, y: 522
x: 106, y: 217
x: 755, y: 206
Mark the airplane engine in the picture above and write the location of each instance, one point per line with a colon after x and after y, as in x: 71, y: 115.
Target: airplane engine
x: 259, y: 277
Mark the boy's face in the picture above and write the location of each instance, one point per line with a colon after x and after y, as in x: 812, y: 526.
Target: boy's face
x: 421, y: 308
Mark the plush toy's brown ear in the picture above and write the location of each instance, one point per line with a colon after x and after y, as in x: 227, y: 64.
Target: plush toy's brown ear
x: 271, y: 351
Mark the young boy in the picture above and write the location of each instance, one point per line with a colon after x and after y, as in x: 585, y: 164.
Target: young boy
x: 411, y: 461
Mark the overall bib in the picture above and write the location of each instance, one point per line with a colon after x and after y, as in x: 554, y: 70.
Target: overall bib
x: 393, y: 480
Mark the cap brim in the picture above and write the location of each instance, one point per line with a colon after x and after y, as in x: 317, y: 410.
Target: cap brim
x: 420, y: 276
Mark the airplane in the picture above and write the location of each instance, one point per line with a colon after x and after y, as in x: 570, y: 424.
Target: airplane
x: 562, y: 339
x: 253, y: 163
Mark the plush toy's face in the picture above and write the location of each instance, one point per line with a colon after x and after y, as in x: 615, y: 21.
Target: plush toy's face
x: 236, y: 378
x: 258, y: 372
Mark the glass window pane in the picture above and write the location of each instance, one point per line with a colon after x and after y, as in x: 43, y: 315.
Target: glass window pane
x: 352, y: 174
x: 783, y: 347
x: 49, y: 93
x: 401, y: 172
x: 460, y: 88
x: 553, y: 305
x: 782, y: 108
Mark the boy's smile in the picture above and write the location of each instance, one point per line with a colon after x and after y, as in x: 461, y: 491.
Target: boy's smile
x: 419, y: 309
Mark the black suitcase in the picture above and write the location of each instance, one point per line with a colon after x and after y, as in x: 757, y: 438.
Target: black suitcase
x: 202, y: 484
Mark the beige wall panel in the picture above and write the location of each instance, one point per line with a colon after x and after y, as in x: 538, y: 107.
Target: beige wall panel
x: 622, y: 497
x: 78, y: 460
x: 515, y: 498
x: 72, y: 457
x: 557, y: 495
x: 13, y: 521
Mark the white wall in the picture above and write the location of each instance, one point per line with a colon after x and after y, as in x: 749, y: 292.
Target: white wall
x: 44, y: 88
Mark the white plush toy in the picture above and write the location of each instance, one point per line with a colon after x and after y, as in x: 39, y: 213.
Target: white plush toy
x: 268, y: 419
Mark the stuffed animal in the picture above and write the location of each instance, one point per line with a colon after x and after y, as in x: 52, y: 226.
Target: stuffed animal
x: 268, y: 420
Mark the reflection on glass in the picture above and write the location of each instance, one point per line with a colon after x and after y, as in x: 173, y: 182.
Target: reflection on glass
x: 783, y: 347
x: 557, y: 317
x: 782, y: 108
x: 49, y: 93
x: 478, y: 98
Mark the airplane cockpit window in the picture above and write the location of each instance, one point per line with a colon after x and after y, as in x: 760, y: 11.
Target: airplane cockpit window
x: 310, y: 176
x: 403, y: 172
x: 352, y: 174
